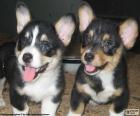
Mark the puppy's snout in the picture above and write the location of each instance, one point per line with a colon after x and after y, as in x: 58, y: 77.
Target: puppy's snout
x: 27, y: 57
x: 89, y: 57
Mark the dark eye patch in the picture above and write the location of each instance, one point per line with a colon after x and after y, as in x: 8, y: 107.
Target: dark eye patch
x: 107, y: 43
x: 109, y: 46
x: 47, y: 48
x: 22, y: 42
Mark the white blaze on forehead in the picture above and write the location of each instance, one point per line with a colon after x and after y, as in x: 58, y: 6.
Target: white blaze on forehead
x: 35, y: 33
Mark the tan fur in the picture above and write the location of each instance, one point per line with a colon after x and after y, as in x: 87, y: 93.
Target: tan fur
x: 44, y: 37
x: 91, y: 33
x: 82, y: 50
x: 100, y: 59
x: 106, y: 36
x: 17, y: 52
x: 112, y: 107
x: 80, y: 87
x: 118, y: 92
x: 80, y: 108
x: 113, y: 61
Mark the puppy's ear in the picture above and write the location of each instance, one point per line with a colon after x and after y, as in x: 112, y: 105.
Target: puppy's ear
x: 65, y: 27
x: 86, y: 15
x: 128, y: 31
x: 22, y: 15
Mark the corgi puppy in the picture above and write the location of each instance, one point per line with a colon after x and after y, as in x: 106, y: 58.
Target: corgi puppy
x: 102, y: 75
x: 34, y: 70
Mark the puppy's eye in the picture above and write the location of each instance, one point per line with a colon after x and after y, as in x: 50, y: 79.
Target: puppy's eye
x: 108, y: 47
x: 45, y: 46
x: 107, y: 43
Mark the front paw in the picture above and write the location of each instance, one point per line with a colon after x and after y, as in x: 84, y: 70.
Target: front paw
x: 73, y: 114
x: 2, y: 102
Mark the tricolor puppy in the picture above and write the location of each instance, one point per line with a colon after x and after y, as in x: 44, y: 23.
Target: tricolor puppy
x: 35, y: 72
x: 102, y: 76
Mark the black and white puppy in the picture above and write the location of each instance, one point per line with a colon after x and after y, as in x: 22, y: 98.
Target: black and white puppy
x: 102, y: 76
x: 35, y: 71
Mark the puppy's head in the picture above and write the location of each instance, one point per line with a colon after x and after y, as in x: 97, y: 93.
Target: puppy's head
x: 103, y: 40
x: 40, y: 45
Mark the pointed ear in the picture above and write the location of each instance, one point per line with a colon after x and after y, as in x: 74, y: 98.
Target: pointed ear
x: 128, y: 31
x: 65, y: 27
x: 22, y: 15
x: 86, y: 15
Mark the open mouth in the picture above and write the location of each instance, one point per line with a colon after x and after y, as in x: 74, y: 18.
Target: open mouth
x: 30, y: 73
x: 93, y: 70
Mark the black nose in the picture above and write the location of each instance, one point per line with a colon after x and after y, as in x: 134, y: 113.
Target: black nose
x: 88, y: 57
x: 27, y: 57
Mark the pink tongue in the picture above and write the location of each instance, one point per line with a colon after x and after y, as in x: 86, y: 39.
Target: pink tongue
x: 90, y: 68
x: 29, y: 74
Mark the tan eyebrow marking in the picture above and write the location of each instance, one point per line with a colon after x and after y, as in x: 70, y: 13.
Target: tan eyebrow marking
x: 91, y: 33
x: 44, y: 37
x: 106, y: 36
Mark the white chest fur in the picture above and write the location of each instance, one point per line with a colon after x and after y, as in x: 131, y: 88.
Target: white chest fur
x: 108, y: 87
x: 43, y: 86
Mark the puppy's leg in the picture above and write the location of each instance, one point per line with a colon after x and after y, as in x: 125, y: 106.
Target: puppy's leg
x: 2, y: 82
x: 19, y: 103
x: 112, y: 113
x: 21, y: 112
x: 49, y: 106
x: 78, y: 102
x: 119, y: 105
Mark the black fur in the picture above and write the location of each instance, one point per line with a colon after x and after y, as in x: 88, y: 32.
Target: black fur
x: 100, y: 39
x: 6, y: 52
x: 46, y: 47
x: 10, y: 67
x: 34, y: 63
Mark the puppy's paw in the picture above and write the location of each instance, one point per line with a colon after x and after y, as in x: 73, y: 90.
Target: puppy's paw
x: 2, y: 102
x: 70, y: 113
